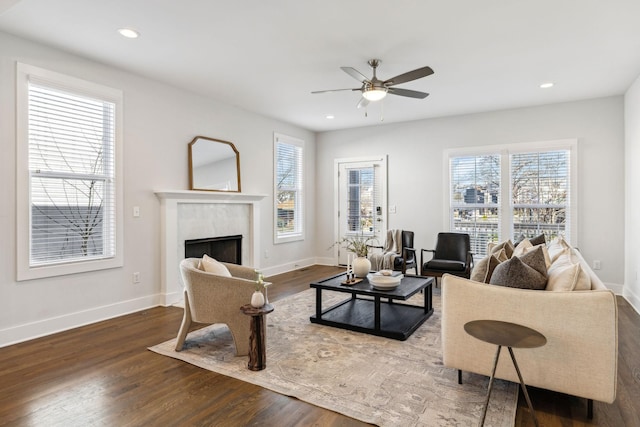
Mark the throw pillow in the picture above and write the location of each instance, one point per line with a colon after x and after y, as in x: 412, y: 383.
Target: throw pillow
x: 480, y: 269
x: 519, y: 240
x: 570, y: 277
x: 522, y: 247
x: 545, y: 252
x: 484, y: 268
x: 210, y: 265
x: 506, y: 245
x: 561, y: 259
x: 535, y: 259
x: 538, y: 240
x: 516, y: 274
x: 501, y: 255
x: 556, y: 246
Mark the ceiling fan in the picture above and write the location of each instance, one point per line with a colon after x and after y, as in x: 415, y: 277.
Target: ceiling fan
x: 374, y: 89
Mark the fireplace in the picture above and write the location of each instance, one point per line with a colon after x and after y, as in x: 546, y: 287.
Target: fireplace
x: 224, y: 248
x: 190, y: 215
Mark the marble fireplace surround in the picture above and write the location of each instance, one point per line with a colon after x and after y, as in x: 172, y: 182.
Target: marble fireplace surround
x: 201, y: 214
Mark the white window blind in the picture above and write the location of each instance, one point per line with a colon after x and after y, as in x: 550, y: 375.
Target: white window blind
x: 71, y: 165
x: 475, y: 198
x: 540, y: 190
x: 69, y: 178
x: 289, y: 206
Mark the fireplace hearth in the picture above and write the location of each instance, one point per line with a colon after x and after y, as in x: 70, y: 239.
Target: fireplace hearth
x: 224, y: 248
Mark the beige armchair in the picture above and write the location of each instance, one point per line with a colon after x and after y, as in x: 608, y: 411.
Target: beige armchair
x: 209, y: 298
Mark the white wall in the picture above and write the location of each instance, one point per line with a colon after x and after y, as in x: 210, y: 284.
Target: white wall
x: 632, y: 179
x: 159, y: 122
x: 415, y: 151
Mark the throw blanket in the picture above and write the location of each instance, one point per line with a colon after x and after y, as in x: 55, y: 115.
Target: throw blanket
x: 393, y: 246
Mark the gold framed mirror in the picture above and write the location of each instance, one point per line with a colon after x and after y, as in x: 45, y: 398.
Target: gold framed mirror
x: 214, y: 165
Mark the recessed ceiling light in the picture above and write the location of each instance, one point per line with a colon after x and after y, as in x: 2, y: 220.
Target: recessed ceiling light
x: 330, y: 116
x: 546, y: 85
x: 129, y: 33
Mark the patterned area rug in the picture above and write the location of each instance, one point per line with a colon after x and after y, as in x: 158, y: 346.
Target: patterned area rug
x: 376, y: 380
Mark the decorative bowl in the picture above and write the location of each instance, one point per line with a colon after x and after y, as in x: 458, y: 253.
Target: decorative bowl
x: 382, y: 282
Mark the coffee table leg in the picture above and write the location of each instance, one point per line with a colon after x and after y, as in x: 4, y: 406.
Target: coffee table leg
x: 493, y: 375
x: 318, y: 303
x: 524, y: 387
x: 376, y: 313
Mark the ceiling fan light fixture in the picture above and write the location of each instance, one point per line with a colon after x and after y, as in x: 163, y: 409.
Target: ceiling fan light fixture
x: 374, y: 94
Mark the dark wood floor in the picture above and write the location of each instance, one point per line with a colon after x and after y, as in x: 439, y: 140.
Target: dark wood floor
x: 103, y: 375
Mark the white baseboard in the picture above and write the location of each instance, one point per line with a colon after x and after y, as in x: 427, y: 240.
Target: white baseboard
x: 615, y: 287
x: 633, y: 299
x: 52, y: 325
x: 290, y: 266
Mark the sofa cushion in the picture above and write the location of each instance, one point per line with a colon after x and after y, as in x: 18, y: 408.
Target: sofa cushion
x: 515, y: 273
x: 213, y: 266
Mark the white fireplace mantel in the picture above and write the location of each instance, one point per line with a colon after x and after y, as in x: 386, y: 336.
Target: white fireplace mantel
x: 171, y: 290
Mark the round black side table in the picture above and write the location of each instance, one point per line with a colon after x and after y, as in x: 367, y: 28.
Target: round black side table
x: 510, y: 335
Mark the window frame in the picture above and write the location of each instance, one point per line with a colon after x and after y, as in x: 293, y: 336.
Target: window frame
x: 505, y: 206
x: 54, y: 80
x: 298, y: 234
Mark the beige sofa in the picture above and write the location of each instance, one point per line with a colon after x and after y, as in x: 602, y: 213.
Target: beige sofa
x: 581, y: 327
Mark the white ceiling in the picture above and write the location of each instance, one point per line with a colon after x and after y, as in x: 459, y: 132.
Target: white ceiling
x: 266, y: 56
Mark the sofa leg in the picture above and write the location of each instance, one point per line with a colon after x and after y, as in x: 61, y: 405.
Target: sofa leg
x: 459, y: 376
x: 590, y: 409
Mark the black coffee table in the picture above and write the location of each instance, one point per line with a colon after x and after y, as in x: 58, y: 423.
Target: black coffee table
x: 374, y: 311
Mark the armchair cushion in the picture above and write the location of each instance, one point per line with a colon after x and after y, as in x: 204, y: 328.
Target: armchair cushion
x: 445, y: 264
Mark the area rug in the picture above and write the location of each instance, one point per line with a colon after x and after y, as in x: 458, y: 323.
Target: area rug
x: 376, y: 380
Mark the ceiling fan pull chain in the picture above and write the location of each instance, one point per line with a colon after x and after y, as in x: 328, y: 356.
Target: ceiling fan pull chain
x: 382, y: 111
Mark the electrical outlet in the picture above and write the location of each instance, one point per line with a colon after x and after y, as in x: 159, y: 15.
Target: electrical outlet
x: 596, y: 264
x: 266, y: 253
x: 136, y: 277
x: 136, y: 211
x: 392, y: 209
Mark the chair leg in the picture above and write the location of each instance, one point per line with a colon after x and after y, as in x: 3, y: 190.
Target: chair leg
x: 186, y: 324
x: 459, y: 376
x: 240, y: 331
x: 590, y: 409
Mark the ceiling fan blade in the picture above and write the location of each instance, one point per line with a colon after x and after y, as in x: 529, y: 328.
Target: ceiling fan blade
x: 333, y: 90
x: 362, y: 103
x: 407, y: 92
x: 355, y: 74
x: 409, y: 76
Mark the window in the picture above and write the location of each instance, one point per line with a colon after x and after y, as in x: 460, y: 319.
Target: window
x: 506, y: 192
x: 68, y: 175
x: 475, y: 198
x: 289, y: 197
